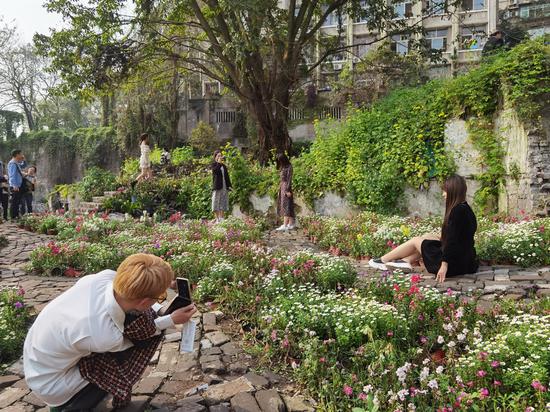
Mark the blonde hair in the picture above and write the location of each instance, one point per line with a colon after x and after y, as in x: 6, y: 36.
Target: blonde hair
x: 142, y: 276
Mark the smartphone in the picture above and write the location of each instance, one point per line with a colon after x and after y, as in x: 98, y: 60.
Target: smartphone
x: 182, y: 299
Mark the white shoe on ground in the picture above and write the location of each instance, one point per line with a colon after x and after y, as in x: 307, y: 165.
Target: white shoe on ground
x: 377, y: 264
x: 281, y: 228
x: 400, y: 264
x: 290, y: 227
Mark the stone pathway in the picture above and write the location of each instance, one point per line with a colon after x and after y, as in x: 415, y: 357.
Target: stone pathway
x: 217, y: 376
x: 485, y: 286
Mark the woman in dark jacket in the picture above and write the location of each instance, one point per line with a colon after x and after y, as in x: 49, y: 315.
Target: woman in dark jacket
x: 451, y: 254
x: 220, y: 186
x: 285, y: 201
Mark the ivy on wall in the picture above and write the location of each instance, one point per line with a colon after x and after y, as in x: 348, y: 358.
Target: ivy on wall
x: 400, y: 140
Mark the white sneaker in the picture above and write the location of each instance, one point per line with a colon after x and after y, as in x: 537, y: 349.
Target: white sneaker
x: 400, y: 264
x: 377, y: 264
x: 290, y: 227
x: 281, y: 228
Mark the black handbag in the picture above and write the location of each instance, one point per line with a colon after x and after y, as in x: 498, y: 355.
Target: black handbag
x: 24, y: 184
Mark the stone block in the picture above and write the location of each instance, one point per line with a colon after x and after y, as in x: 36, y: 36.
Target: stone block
x: 172, y: 337
x: 213, y: 367
x: 8, y: 380
x: 148, y: 385
x: 211, y: 351
x: 191, y: 407
x: 244, y: 402
x: 225, y: 391
x: 209, y: 358
x: 220, y: 408
x: 231, y: 349
x: 34, y: 400
x: 273, y: 378
x: 270, y: 401
x: 297, y: 404
x: 238, y: 368
x: 217, y: 338
x: 162, y: 399
x: 209, y: 318
x: 524, y: 276
x: 11, y: 395
x: 258, y: 381
x: 174, y: 387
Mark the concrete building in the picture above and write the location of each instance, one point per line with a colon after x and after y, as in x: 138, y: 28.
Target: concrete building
x: 459, y: 34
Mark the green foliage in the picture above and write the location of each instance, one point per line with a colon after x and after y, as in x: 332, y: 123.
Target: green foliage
x: 399, y: 140
x: 181, y: 155
x: 95, y: 182
x: 377, y: 151
x: 203, y: 139
x: 94, y: 144
x: 14, y: 319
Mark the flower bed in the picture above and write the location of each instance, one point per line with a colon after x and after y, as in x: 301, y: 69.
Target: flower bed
x: 385, y: 345
x: 524, y: 242
x: 14, y: 317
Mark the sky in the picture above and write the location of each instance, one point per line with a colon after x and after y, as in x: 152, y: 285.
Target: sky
x: 29, y: 16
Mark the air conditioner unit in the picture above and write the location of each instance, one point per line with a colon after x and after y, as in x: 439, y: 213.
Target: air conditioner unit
x: 337, y: 66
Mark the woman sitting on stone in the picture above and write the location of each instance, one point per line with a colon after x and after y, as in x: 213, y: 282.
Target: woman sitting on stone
x: 453, y: 253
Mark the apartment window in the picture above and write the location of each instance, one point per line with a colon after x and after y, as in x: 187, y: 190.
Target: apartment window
x: 534, y: 11
x: 362, y: 45
x: 403, y: 10
x: 437, y: 39
x: 436, y: 6
x: 225, y: 117
x: 363, y: 18
x: 332, y: 18
x: 400, y: 43
x: 473, y: 5
x: 473, y: 38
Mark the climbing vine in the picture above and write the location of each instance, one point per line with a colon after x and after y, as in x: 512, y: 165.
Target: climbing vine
x: 399, y: 140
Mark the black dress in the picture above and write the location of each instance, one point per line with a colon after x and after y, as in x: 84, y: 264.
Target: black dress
x: 459, y: 251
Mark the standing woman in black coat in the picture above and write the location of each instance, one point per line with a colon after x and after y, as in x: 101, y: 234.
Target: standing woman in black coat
x: 451, y: 254
x: 285, y: 200
x: 221, y: 185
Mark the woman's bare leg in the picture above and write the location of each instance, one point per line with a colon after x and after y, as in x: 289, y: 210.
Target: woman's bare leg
x: 413, y: 259
x: 410, y: 249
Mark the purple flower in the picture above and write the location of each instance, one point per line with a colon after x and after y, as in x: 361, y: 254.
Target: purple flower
x: 18, y: 305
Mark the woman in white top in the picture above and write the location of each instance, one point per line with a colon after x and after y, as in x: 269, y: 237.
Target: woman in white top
x: 144, y: 160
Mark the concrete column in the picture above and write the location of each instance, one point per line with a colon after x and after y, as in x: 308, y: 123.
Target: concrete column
x: 492, y: 15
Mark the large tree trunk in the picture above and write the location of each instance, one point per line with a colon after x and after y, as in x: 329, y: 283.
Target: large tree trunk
x: 272, y: 122
x: 174, y: 115
x: 105, y: 110
x: 29, y: 116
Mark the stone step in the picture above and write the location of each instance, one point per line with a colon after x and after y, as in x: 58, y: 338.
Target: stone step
x: 87, y: 206
x: 98, y: 199
x: 110, y: 194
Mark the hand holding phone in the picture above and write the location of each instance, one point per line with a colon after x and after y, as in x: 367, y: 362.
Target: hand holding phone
x: 182, y: 315
x: 181, y: 300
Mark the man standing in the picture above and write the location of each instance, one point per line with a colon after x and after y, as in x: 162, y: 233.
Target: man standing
x: 4, y: 191
x: 99, y: 336
x: 15, y: 180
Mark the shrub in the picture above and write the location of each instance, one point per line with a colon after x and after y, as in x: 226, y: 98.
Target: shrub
x: 95, y: 182
x: 14, y: 318
x: 204, y: 139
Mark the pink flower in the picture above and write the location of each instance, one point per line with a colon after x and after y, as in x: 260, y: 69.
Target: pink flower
x: 495, y: 364
x: 322, y: 360
x: 362, y: 396
x: 273, y: 335
x: 423, y: 340
x: 449, y: 292
x: 285, y: 343
x: 21, y: 291
x: 258, y: 298
x: 529, y: 409
x: 497, y: 383
x: 538, y: 386
x: 348, y: 390
x: 390, y: 333
x: 415, y: 278
x: 483, y: 355
x: 484, y: 393
x: 481, y: 373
